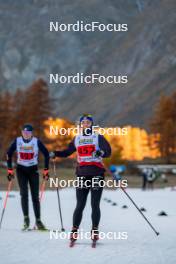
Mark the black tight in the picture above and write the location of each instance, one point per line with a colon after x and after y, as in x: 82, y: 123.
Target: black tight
x: 25, y: 176
x: 81, y: 197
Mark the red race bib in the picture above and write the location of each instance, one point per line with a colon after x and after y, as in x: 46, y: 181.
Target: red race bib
x: 26, y: 156
x: 86, y: 150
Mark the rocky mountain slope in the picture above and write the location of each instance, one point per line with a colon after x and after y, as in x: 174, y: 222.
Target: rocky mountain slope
x: 146, y: 53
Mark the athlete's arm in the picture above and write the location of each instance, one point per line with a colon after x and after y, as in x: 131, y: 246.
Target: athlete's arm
x: 45, y: 153
x: 105, y: 146
x: 66, y: 152
x: 10, y: 152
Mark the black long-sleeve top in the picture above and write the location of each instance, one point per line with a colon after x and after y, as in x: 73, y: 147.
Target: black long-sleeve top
x: 41, y: 147
x: 89, y: 170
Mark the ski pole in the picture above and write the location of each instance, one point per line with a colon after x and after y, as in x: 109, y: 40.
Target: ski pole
x: 5, y: 201
x: 129, y: 197
x: 156, y: 232
x: 42, y: 189
x: 58, y: 196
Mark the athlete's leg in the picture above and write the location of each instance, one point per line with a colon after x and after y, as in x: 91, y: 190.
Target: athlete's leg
x: 96, y: 193
x: 81, y: 198
x: 34, y: 186
x: 22, y: 178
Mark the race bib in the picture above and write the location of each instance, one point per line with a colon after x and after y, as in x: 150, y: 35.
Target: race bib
x: 86, y: 150
x: 26, y: 156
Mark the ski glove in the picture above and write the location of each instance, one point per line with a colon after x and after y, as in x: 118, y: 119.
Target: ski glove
x: 46, y: 174
x: 98, y: 153
x: 10, y: 175
x: 52, y: 155
x: 116, y: 176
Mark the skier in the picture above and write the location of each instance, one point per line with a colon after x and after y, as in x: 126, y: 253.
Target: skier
x: 27, y: 147
x: 144, y: 178
x: 151, y: 177
x: 90, y: 148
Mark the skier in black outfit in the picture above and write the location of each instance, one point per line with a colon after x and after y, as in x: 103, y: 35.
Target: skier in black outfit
x: 27, y: 148
x: 91, y: 148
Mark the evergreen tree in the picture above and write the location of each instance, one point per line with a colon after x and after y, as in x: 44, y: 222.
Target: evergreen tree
x: 37, y: 107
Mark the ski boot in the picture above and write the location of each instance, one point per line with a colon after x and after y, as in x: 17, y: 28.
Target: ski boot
x: 95, y: 233
x: 26, y: 223
x: 73, y: 236
x: 40, y: 226
x: 94, y: 236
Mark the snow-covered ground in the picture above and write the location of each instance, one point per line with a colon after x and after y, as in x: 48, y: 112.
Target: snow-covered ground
x: 141, y: 247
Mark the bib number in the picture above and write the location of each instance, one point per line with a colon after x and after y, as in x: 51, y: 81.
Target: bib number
x: 26, y: 156
x: 86, y: 150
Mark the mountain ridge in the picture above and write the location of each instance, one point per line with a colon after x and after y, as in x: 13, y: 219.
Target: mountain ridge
x: 146, y: 53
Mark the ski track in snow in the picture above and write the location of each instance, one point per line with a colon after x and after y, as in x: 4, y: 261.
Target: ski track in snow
x: 141, y: 247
